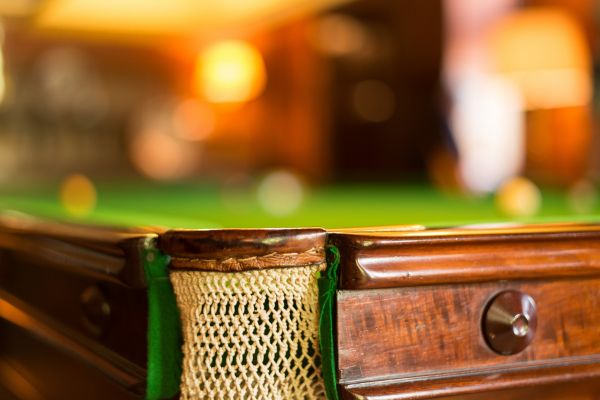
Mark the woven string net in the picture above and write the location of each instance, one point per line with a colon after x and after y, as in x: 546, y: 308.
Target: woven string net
x: 250, y: 335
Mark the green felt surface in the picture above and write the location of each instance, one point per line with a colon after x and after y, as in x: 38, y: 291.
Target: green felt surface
x: 208, y: 206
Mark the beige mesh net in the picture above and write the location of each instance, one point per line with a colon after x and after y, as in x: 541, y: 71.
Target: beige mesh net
x: 250, y: 335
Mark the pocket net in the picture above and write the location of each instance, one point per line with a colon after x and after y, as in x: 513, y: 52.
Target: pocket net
x: 251, y: 334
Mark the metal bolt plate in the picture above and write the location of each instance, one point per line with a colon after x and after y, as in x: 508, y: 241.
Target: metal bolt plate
x: 509, y: 322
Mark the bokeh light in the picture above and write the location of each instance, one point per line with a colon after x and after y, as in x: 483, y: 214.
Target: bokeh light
x: 519, y: 197
x: 159, y: 142
x: 280, y: 193
x: 78, y: 195
x: 373, y: 101
x: 193, y: 120
x: 341, y: 35
x: 230, y: 71
x: 544, y: 51
x: 161, y: 156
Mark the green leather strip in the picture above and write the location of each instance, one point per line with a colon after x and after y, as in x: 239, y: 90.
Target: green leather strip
x: 164, y: 327
x: 327, y: 288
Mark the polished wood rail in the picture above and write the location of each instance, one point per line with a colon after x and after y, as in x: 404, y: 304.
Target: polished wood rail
x: 412, y: 305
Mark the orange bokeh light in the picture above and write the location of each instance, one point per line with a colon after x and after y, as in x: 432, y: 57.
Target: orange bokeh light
x: 161, y: 156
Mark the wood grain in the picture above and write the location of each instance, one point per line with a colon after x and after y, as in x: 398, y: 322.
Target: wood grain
x: 405, y: 332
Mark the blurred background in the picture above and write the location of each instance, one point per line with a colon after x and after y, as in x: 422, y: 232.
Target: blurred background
x: 284, y: 112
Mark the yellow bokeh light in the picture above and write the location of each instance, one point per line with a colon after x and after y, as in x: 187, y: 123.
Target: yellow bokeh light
x: 230, y: 72
x: 78, y: 195
x: 519, y: 197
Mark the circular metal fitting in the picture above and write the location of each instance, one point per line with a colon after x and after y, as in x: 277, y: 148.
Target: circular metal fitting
x: 509, y: 322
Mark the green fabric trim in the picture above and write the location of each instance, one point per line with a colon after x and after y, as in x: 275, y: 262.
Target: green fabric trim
x: 164, y: 327
x: 327, y: 291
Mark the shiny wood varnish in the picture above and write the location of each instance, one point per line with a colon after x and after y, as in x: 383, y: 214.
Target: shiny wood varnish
x: 411, y: 305
x: 409, y: 310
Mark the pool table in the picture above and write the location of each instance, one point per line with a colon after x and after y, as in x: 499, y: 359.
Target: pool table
x: 431, y: 304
